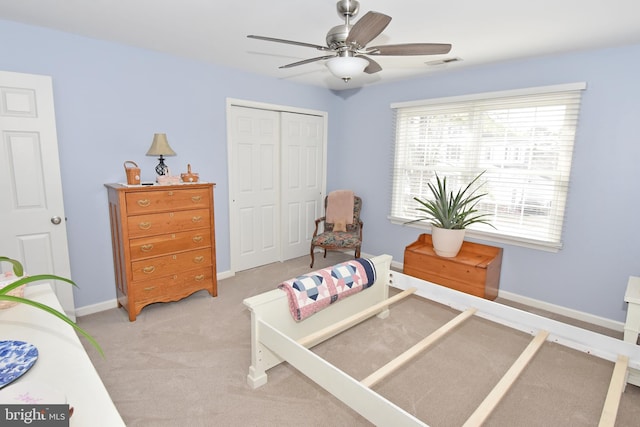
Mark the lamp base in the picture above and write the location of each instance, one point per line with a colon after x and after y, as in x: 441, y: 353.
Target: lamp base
x: 162, y: 169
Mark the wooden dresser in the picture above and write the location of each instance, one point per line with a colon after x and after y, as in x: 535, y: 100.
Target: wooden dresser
x: 163, y: 239
x: 475, y: 270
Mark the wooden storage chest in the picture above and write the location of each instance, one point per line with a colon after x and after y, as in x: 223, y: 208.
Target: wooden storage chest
x: 163, y: 239
x: 475, y: 270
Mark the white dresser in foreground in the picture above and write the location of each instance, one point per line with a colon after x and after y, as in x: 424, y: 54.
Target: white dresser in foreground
x: 62, y: 361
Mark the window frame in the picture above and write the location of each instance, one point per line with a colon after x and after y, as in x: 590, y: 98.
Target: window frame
x: 488, y: 234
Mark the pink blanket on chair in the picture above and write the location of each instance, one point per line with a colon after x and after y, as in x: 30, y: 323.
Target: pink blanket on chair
x: 314, y: 291
x: 340, y: 207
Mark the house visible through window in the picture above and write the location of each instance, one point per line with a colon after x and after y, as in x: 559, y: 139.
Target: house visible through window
x: 523, y: 140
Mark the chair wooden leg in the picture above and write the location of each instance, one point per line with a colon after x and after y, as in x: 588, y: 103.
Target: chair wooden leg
x: 312, y: 247
x: 325, y: 253
x: 358, y: 252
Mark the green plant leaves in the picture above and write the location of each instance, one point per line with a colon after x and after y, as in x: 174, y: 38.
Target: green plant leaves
x: 19, y: 271
x: 17, y: 267
x: 452, y: 211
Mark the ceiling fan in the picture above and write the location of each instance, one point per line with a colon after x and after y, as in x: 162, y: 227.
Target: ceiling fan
x: 348, y: 54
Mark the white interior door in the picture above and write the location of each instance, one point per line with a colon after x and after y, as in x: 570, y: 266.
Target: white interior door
x: 32, y: 219
x: 302, y: 180
x: 254, y: 176
x: 277, y: 181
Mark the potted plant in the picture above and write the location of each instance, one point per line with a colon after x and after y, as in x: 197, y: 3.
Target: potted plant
x: 21, y: 280
x: 450, y: 214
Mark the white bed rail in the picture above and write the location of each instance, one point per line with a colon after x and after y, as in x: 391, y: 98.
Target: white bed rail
x: 276, y: 336
x: 273, y: 308
x: 590, y: 342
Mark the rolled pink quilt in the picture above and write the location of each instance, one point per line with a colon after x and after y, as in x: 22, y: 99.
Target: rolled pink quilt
x: 311, y: 292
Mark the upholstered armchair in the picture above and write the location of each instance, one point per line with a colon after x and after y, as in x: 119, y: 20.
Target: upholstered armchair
x: 329, y: 239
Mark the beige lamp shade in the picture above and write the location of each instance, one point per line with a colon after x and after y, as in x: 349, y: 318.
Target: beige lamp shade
x: 160, y: 146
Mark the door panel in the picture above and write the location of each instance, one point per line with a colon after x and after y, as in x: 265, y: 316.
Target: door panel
x: 303, y: 178
x: 30, y: 181
x: 254, y: 180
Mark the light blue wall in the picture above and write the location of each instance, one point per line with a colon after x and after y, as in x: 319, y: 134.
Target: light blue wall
x: 110, y: 100
x: 601, y: 238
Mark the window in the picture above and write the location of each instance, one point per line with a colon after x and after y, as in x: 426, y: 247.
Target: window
x: 523, y: 140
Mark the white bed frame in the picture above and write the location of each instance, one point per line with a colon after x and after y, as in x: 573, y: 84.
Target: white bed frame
x: 276, y: 337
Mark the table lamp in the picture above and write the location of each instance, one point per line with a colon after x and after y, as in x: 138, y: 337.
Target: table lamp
x: 160, y: 147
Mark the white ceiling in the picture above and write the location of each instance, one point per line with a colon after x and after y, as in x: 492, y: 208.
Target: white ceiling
x: 481, y: 31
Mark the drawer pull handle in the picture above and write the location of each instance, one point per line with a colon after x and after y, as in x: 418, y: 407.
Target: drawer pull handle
x: 197, y: 239
x: 144, y: 225
x: 148, y: 270
x: 144, y: 202
x: 150, y: 288
x: 170, y: 193
x: 196, y: 219
x: 199, y: 277
x: 198, y: 259
x: 196, y: 199
x: 146, y: 248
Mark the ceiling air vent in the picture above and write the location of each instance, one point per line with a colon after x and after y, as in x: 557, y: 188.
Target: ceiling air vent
x: 444, y: 61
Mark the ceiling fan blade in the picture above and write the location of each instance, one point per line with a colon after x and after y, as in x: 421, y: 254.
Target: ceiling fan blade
x: 307, y: 61
x: 373, y: 66
x: 367, y: 28
x: 271, y: 39
x: 410, y: 49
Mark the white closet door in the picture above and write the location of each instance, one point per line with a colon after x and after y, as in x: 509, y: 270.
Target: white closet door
x: 302, y: 180
x: 277, y: 181
x: 254, y: 174
x: 32, y: 219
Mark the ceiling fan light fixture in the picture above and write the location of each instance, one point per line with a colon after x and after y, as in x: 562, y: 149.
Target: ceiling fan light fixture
x: 346, y: 67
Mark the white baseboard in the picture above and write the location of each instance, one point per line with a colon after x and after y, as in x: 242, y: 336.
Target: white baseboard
x: 108, y: 305
x: 564, y: 311
x: 225, y: 275
x: 542, y: 305
x: 96, y: 308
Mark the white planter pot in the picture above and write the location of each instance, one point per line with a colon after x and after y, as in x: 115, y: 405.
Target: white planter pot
x: 446, y: 243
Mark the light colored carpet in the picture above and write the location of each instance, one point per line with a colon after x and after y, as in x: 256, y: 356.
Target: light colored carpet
x: 185, y: 364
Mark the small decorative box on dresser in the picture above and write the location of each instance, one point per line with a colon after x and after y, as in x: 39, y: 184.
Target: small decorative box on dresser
x: 164, y: 246
x: 475, y: 270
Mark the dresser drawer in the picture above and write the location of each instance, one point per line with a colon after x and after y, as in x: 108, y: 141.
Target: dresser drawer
x: 170, y: 264
x: 147, y: 247
x: 167, y: 222
x: 167, y: 200
x: 172, y: 287
x: 192, y: 281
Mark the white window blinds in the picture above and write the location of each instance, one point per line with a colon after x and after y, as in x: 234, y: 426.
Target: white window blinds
x: 522, y: 139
